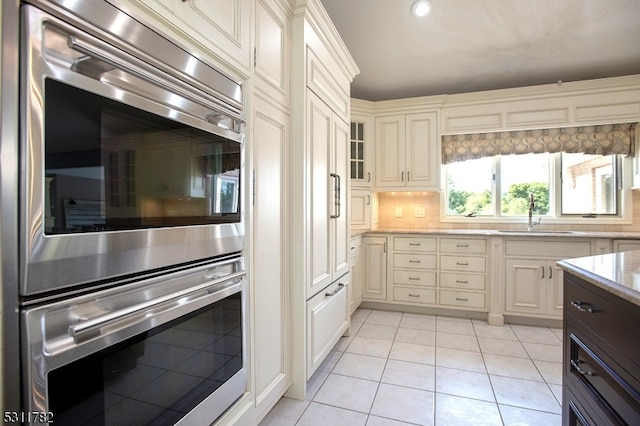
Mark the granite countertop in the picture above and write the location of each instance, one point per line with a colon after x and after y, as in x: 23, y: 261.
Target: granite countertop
x: 506, y: 233
x: 617, y: 273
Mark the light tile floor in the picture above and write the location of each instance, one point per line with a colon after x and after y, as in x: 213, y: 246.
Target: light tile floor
x: 410, y: 369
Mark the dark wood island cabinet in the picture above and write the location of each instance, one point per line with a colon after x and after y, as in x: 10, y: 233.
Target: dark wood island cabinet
x: 601, y: 349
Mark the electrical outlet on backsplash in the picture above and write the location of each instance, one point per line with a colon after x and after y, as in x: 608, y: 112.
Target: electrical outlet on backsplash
x: 421, y: 210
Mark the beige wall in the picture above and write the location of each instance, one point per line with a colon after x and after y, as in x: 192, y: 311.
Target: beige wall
x: 430, y: 201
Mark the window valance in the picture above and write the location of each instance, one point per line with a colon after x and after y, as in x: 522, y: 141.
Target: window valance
x: 602, y: 139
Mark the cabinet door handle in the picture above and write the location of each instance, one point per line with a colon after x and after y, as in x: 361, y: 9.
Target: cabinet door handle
x: 368, y: 200
x: 334, y: 292
x: 575, y: 363
x: 368, y: 176
x: 408, y: 176
x: 336, y: 196
x: 578, y: 305
x: 542, y: 267
x: 402, y: 176
x: 550, y: 272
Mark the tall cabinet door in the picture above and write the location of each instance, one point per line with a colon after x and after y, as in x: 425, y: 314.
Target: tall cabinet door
x: 340, y: 223
x: 322, y: 200
x: 270, y: 289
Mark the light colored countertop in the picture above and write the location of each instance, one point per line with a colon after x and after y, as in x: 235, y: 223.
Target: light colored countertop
x: 617, y: 273
x: 506, y: 233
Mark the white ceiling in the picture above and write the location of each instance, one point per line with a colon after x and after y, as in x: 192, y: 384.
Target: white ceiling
x: 472, y: 45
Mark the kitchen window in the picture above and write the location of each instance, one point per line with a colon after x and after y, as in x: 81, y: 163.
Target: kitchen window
x: 565, y: 186
x: 566, y: 175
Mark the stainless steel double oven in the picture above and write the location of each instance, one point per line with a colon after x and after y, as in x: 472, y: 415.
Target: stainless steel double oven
x: 132, y: 287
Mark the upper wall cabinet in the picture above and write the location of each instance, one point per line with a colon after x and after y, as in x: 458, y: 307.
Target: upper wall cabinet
x: 407, y: 152
x: 557, y: 105
x: 220, y: 27
x: 272, y: 50
x: 362, y: 150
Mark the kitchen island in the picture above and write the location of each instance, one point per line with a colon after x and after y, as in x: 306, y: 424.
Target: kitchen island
x: 601, y: 355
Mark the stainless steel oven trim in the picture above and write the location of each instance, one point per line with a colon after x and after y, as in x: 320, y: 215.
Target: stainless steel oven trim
x: 44, y: 351
x: 65, y: 261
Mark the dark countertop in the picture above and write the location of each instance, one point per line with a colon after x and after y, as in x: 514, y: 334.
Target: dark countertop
x: 617, y: 273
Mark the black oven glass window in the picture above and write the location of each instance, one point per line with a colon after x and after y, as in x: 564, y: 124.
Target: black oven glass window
x: 110, y: 166
x: 154, y: 378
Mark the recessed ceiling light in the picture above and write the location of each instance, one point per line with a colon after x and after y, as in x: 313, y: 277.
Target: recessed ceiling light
x: 421, y: 8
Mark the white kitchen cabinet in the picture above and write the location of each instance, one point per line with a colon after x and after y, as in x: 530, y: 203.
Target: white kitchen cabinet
x: 414, y: 270
x: 321, y: 73
x: 327, y: 136
x: 221, y: 27
x: 360, y: 207
x: 625, y: 245
x: 271, y: 309
x: 271, y: 287
x: 407, y: 152
x: 464, y: 268
x: 158, y: 150
x: 122, y: 176
x: 327, y: 320
x: 361, y: 152
x: 533, y: 283
x: 272, y: 58
x: 375, y: 268
x: 357, y: 274
x: 544, y: 106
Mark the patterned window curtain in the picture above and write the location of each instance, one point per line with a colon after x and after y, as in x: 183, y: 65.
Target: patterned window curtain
x: 602, y: 139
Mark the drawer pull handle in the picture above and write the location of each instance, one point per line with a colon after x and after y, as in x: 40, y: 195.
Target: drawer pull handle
x: 578, y: 305
x: 462, y: 299
x: 462, y: 281
x: 575, y: 363
x: 414, y: 279
x: 462, y: 263
x: 334, y: 292
x: 414, y: 244
x: 413, y: 295
x: 462, y: 245
x: 414, y: 261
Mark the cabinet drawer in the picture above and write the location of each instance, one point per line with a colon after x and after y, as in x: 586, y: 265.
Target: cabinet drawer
x: 589, y: 374
x: 326, y: 322
x: 419, y: 261
x: 614, y: 322
x: 463, y: 263
x: 548, y: 249
x: 421, y: 278
x: 462, y: 299
x: 461, y: 245
x: 414, y: 295
x: 463, y: 281
x: 414, y: 244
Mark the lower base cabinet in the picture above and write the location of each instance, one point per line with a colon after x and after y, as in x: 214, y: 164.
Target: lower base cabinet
x: 328, y: 316
x: 601, y: 357
x: 375, y: 268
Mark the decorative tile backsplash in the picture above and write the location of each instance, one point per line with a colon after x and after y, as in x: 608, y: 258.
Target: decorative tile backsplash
x: 404, y: 204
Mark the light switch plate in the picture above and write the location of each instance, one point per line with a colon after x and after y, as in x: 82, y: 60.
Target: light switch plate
x: 419, y: 212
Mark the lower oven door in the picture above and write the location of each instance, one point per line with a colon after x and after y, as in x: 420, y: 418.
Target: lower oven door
x: 165, y: 350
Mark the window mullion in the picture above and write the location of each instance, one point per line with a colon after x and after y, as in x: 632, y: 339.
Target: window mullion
x: 496, y: 189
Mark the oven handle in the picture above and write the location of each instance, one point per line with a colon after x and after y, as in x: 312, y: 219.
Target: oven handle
x: 177, y: 86
x: 102, y: 320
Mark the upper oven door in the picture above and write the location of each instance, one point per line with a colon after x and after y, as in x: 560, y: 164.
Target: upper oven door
x: 125, y: 167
